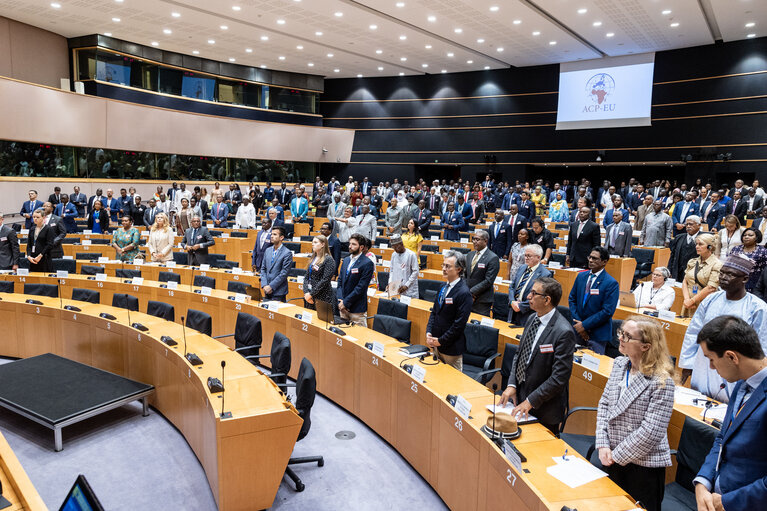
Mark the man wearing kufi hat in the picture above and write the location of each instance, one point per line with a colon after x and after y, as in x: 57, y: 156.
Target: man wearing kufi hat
x: 732, y: 299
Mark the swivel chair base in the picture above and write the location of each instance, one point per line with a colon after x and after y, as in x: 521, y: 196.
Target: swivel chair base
x: 295, y: 461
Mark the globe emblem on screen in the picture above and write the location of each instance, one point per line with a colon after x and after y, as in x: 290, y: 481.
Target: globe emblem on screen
x: 599, y: 87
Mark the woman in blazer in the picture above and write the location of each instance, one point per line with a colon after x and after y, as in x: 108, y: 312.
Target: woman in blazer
x: 701, y: 278
x: 161, y: 239
x: 319, y: 273
x: 634, y: 413
x: 40, y: 243
x: 98, y: 220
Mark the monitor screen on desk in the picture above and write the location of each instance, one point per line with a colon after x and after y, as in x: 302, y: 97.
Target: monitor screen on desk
x: 324, y: 311
x: 81, y: 497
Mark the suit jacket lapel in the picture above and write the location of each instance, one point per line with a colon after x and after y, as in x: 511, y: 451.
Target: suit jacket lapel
x: 756, y: 398
x: 543, y: 338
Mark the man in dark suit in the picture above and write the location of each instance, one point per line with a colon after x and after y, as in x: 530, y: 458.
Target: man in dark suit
x: 275, y: 266
x: 79, y: 200
x: 55, y: 197
x: 463, y: 208
x: 482, y: 268
x: 542, y: 366
x: 98, y: 197
x: 522, y: 283
x: 452, y: 223
x: 584, y: 235
x: 713, y: 212
x: 56, y: 223
x: 334, y: 245
x: 263, y: 241
x: 618, y: 236
x: 67, y: 212
x: 682, y: 211
x: 9, y: 247
x: 683, y: 248
x: 516, y: 223
x: 734, y: 474
x: 500, y: 235
x: 526, y: 206
x: 284, y: 195
x: 738, y: 207
x: 196, y: 241
x: 450, y: 313
x: 755, y: 203
x: 151, y: 213
x: 593, y: 300
x: 422, y: 217
x: 29, y: 207
x: 353, y: 281
x: 433, y: 200
x: 125, y: 204
x: 137, y: 211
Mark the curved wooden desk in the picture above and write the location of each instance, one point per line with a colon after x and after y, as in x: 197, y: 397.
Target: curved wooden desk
x: 17, y: 487
x: 244, y: 457
x: 448, y: 450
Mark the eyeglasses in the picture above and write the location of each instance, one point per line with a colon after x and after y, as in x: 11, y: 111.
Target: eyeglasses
x: 535, y: 293
x: 476, y: 238
x: 624, y: 337
x: 447, y: 266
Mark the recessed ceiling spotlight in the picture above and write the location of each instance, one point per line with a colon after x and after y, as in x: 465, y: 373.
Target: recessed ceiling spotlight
x: 402, y: 74
x: 155, y: 43
x: 458, y: 30
x: 674, y: 25
x: 310, y: 64
x: 338, y: 14
x: 176, y: 14
x: 400, y: 4
x: 597, y: 23
x: 248, y: 50
x: 108, y: 34
x: 373, y: 27
x: 750, y: 24
x: 281, y: 57
x: 499, y: 49
x: 330, y: 55
x: 480, y: 40
x: 403, y: 59
x: 195, y: 52
x: 379, y: 52
x: 610, y: 34
x: 56, y: 5
x: 167, y: 31
x: 264, y: 37
x: 517, y: 22
x: 537, y: 32
x: 402, y: 37
x: 263, y: 66
x: 751, y: 36
x: 451, y: 54
x: 432, y: 19
x: 236, y: 7
x: 119, y: 1
x: 552, y: 43
x: 116, y: 20
x: 224, y: 27
x: 487, y: 67
x: 211, y: 41
x: 582, y: 11
x: 359, y: 76
x: 336, y: 70
x: 299, y: 47
x: 444, y: 71
x: 470, y: 62
x: 318, y: 34
x: 666, y: 12
x: 494, y: 8
x: 380, y: 68
x: 424, y: 65
x: 232, y: 59
x: 428, y: 47
x: 280, y: 22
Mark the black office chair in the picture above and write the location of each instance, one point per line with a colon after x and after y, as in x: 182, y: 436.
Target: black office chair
x: 422, y: 262
x: 279, y: 358
x: 88, y: 256
x: 161, y: 310
x: 69, y: 241
x: 585, y: 445
x: 238, y: 234
x: 429, y: 289
x: 227, y: 265
x: 481, y: 352
x: 169, y: 276
x: 393, y: 327
x: 214, y: 259
x: 306, y: 389
x: 559, y: 257
x: 41, y: 290
x: 90, y: 269
x: 501, y: 306
x: 564, y: 310
x: 68, y: 265
x: 694, y: 445
x: 509, y: 352
x: 201, y: 281
x: 293, y: 246
x: 462, y: 250
x: 122, y: 273
x: 644, y: 258
x: 125, y: 301
x: 86, y: 295
x: 6, y: 286
x: 612, y: 349
x: 180, y: 257
x: 393, y: 308
x: 247, y: 333
x: 216, y: 234
x: 236, y: 287
x: 383, y: 280
x: 430, y: 248
x: 200, y: 321
x: 296, y: 272
x: 307, y: 238
x: 100, y: 241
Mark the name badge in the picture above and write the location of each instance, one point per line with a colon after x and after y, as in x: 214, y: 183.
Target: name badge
x: 449, y: 301
x: 315, y: 267
x: 199, y: 236
x: 481, y: 265
x: 547, y: 348
x: 503, y: 230
x: 621, y: 233
x: 355, y: 270
x: 594, y: 291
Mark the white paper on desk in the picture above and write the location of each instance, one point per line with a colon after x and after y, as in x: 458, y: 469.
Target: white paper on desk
x: 224, y: 235
x: 462, y: 406
x: 172, y: 284
x: 68, y: 257
x: 487, y: 322
x: 419, y: 373
x: 464, y: 240
x: 590, y: 362
x: 715, y: 412
x: 434, y: 238
x: 405, y: 299
x: 667, y: 315
x: 85, y: 243
x: 101, y: 277
x: 554, y: 265
x: 204, y: 267
x: 205, y: 290
x: 507, y: 408
x: 102, y: 260
x: 62, y: 274
x: 685, y: 396
x: 371, y: 291
x: 236, y: 270
x: 137, y: 281
x: 137, y: 262
x: 574, y: 472
x: 240, y: 298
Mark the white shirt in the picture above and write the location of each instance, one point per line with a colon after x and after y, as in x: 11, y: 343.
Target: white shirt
x: 246, y: 216
x: 662, y: 298
x: 544, y: 321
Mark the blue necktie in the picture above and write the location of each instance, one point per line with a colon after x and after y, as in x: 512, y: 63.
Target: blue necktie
x: 442, y: 292
x: 588, y: 288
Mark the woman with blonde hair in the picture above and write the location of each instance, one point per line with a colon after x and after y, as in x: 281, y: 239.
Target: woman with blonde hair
x: 729, y: 237
x: 701, y: 278
x: 319, y: 273
x: 161, y: 239
x: 634, y: 412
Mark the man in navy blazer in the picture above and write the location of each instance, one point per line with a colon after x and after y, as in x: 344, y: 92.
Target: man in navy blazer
x: 593, y: 300
x: 526, y: 206
x: 263, y: 241
x: 462, y: 207
x: 333, y: 244
x: 734, y: 475
x: 522, y: 283
x: 353, y: 281
x: 452, y: 222
x: 682, y: 210
x: 29, y: 207
x: 712, y: 212
x: 274, y: 268
x: 450, y: 313
x: 500, y: 235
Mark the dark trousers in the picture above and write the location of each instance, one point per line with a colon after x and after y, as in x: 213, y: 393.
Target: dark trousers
x: 481, y: 308
x: 597, y: 346
x: 645, y: 485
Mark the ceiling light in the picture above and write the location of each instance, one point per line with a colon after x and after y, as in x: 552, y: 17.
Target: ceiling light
x: 428, y: 47
x: 336, y: 70
x: 280, y: 22
x: 211, y: 41
x: 338, y: 14
x: 263, y: 66
x: 299, y: 47
x: 318, y: 34
x: 248, y: 50
x: 108, y: 34
x: 424, y: 65
x: 330, y: 55
x: 400, y: 4
x: 264, y: 37
x: 236, y: 7
x: 232, y: 59
x: 458, y: 30
x: 402, y: 74
x: 597, y: 23
x: 119, y: 1
x: 480, y: 40
x: 537, y: 32
x: 379, y: 52
x: 487, y: 67
x: 432, y: 18
x: 281, y: 57
x: 750, y: 24
x: 176, y: 14
x: 552, y: 43
x: 55, y: 5
x: 517, y: 22
x: 403, y: 59
x: 666, y: 12
x: 167, y: 31
x: 500, y: 49
x: 373, y: 27
x: 224, y: 27
x: 359, y: 76
x: 610, y: 34
x: 380, y: 68
x: 155, y: 43
x: 310, y: 64
x: 674, y: 25
x: 751, y: 36
x: 195, y: 52
x: 116, y: 20
x: 444, y: 71
x: 582, y: 11
x: 470, y: 62
x: 494, y: 8
x: 402, y: 37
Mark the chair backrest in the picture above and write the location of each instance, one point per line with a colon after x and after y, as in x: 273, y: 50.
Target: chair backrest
x: 509, y: 352
x: 202, y: 281
x: 238, y: 234
x: 293, y: 246
x: 564, y: 310
x: 612, y: 348
x: 462, y: 250
x: 91, y: 256
x: 125, y: 301
x: 393, y: 327
x: 247, y: 330
x: 100, y: 241
x: 122, y: 273
x: 86, y: 295
x: 169, y: 276
x: 69, y: 241
x: 694, y: 445
x: 180, y: 257
x: 306, y: 389
x: 6, y: 286
x: 296, y: 272
x: 161, y: 310
x: 392, y: 308
x: 236, y: 287
x: 280, y: 357
x: 307, y: 238
x: 501, y: 306
x: 642, y: 255
x: 69, y: 265
x: 90, y: 269
x: 41, y: 290
x: 481, y: 343
x: 430, y: 248
x: 200, y: 321
x: 383, y: 280
x: 559, y: 257
x: 227, y: 265
x: 428, y: 289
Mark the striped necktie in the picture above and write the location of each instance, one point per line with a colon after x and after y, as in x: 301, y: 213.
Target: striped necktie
x: 525, y: 348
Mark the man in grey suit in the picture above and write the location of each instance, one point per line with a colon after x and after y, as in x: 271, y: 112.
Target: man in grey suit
x: 9, y: 247
x: 395, y: 218
x: 544, y: 361
x: 367, y: 224
x: 482, y: 266
x: 522, y: 283
x: 274, y: 267
x: 618, y: 236
x: 196, y: 241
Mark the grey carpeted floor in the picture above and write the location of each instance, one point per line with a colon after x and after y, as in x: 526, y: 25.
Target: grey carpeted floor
x: 132, y: 463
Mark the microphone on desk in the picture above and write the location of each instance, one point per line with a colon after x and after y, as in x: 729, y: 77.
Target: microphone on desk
x: 191, y: 357
x: 61, y: 298
x: 639, y: 303
x: 224, y: 415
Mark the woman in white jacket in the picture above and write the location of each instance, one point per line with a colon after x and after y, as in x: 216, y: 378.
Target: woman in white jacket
x: 246, y: 215
x: 161, y: 239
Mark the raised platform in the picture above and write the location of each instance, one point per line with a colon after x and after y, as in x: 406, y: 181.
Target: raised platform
x: 57, y: 392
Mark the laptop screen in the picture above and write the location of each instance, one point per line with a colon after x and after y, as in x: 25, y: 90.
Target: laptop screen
x: 81, y: 497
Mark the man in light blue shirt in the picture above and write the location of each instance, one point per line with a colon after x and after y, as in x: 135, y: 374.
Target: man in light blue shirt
x: 299, y: 207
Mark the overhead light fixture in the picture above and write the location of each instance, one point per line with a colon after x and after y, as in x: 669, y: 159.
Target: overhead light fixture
x: 263, y: 66
x: 494, y: 8
x: 380, y: 68
x: 359, y: 76
x: 280, y: 21
x: 751, y: 36
x: 582, y: 11
x: 424, y: 65
x: 450, y: 54
x: 224, y: 27
x: 674, y: 25
x: 402, y: 74
x: 470, y: 62
x: 108, y: 34
x: 403, y: 59
x: 379, y: 52
x: 402, y: 37
x: 176, y: 14
x: 330, y: 55
x: 597, y: 23
x: 400, y: 4
x: 750, y: 24
x: 373, y: 27
x: 264, y: 37
x: 487, y: 67
x: 338, y: 14
x: 155, y: 43
x: 310, y: 64
x: 299, y: 47
x: 517, y: 22
x: 432, y: 19
x: 480, y: 40
x: 167, y: 31
x: 610, y: 34
x: 336, y: 70
x: 56, y: 5
x: 236, y: 7
x: 248, y: 50
x: 211, y: 41
x: 318, y: 34
x: 666, y: 12
x: 428, y: 47
x: 458, y: 30
x: 195, y: 52
x: 499, y: 49
x: 537, y: 32
x: 552, y: 43
x: 116, y: 20
x: 232, y: 59
x: 281, y: 57
x: 444, y: 71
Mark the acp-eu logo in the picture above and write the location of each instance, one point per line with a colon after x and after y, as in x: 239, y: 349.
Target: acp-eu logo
x: 599, y: 88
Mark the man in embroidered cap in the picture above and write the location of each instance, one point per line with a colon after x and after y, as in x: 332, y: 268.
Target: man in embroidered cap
x: 733, y: 300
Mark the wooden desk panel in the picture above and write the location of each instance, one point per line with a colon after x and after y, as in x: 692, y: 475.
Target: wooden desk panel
x: 338, y: 358
x: 17, y: 487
